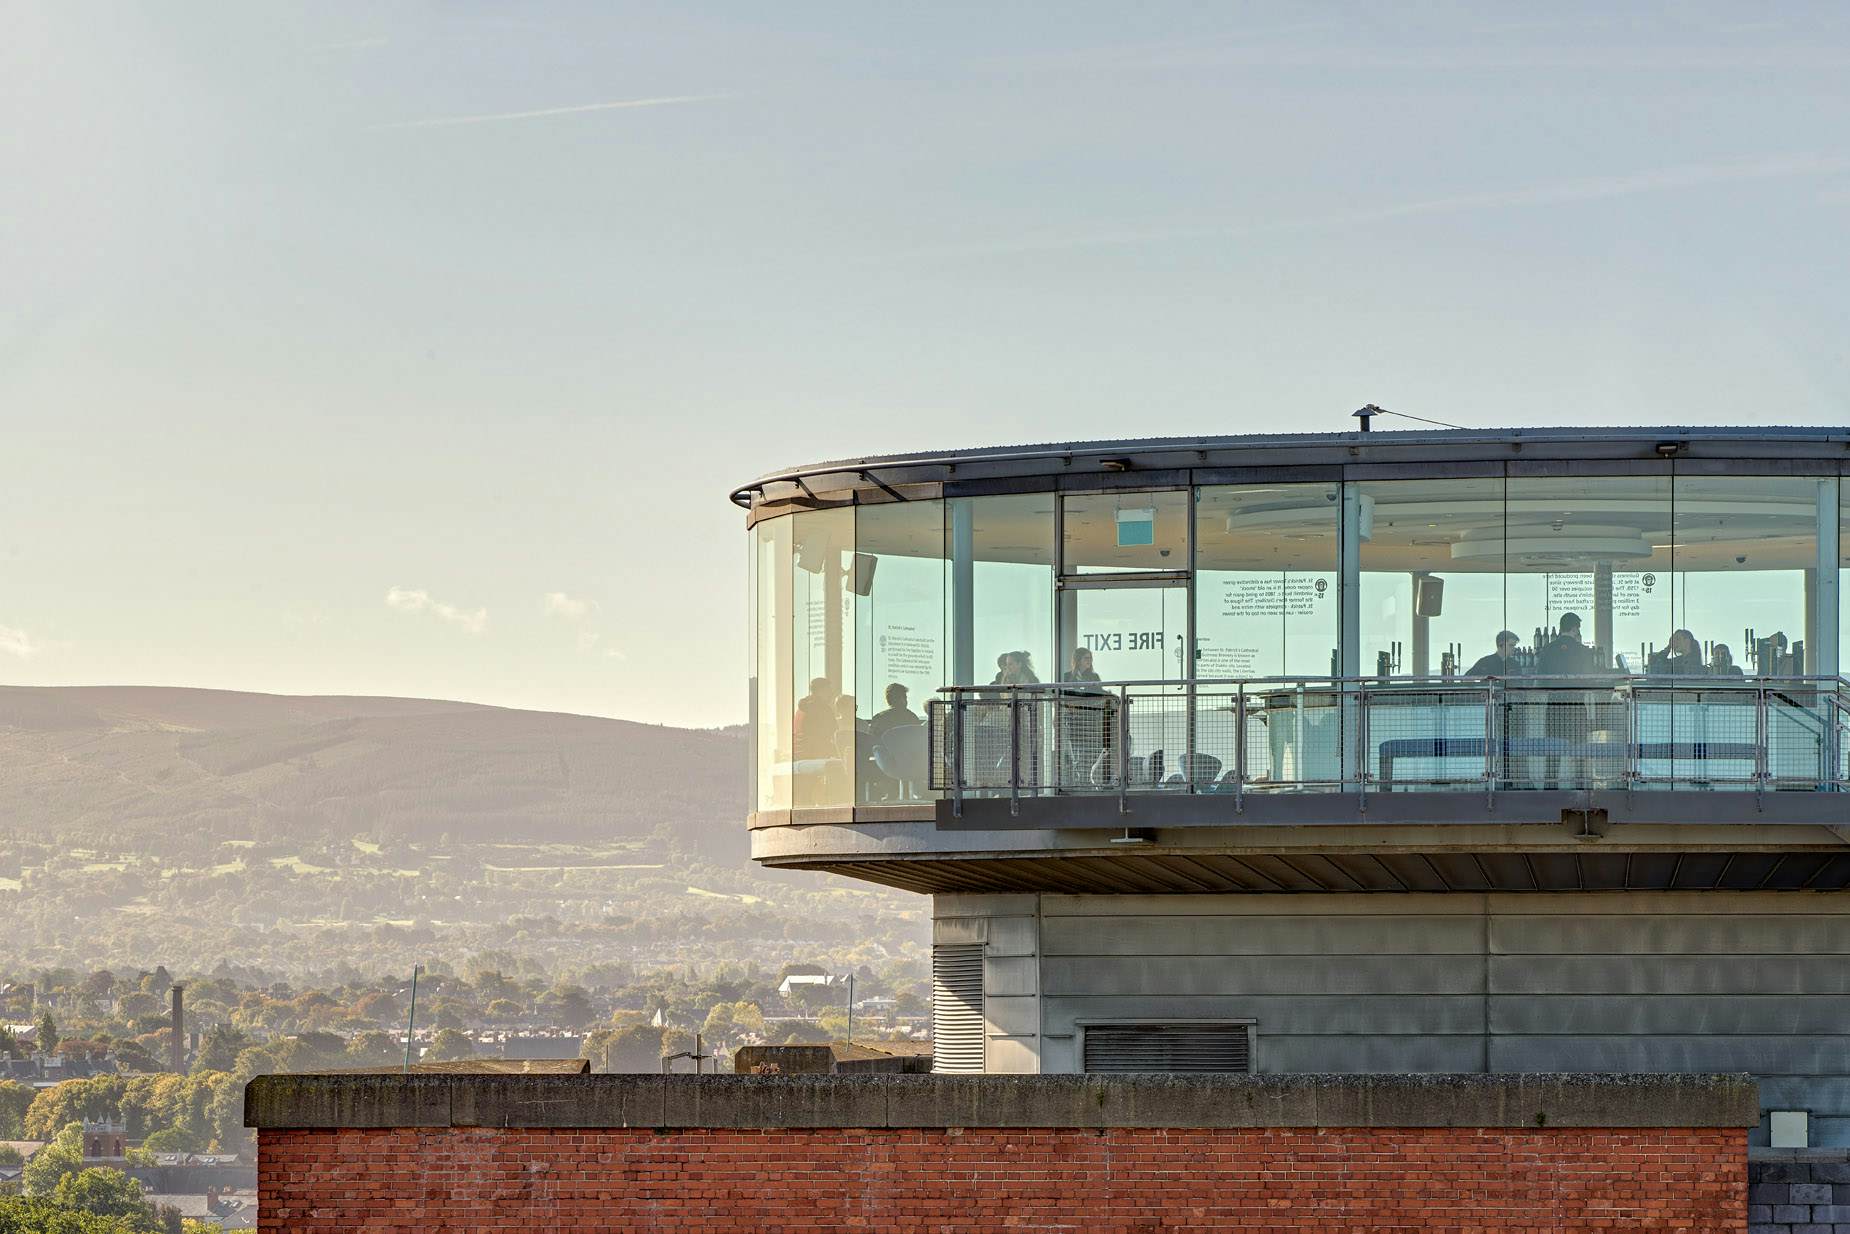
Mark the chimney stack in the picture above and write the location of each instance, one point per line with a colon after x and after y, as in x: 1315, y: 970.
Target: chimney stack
x: 179, y: 1029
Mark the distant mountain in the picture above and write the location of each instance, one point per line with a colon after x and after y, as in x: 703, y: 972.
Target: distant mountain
x: 131, y: 764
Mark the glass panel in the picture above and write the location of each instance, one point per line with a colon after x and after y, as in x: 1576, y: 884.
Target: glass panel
x: 1000, y: 551
x: 1126, y: 634
x: 822, y: 656
x: 771, y: 633
x: 1596, y: 550
x: 1126, y: 531
x: 1266, y: 580
x: 1843, y: 582
x: 899, y: 643
x: 1432, y: 578
x: 1745, y: 549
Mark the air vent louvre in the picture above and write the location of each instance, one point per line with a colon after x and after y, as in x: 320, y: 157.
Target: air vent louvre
x: 1168, y: 1047
x: 957, y: 1007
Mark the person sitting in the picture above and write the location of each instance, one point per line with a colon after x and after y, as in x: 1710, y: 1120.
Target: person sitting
x: 1499, y: 663
x: 1082, y: 669
x: 1721, y: 662
x: 815, y: 722
x: 1681, y: 657
x: 896, y: 713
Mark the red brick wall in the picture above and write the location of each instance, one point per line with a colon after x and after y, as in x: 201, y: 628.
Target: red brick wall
x: 1138, y: 1181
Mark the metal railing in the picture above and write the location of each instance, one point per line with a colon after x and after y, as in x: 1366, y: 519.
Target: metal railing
x: 1370, y: 735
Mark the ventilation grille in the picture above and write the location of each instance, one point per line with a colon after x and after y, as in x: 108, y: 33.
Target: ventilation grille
x: 1168, y: 1047
x: 957, y: 1007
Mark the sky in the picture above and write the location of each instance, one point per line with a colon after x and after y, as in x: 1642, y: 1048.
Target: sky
x: 412, y: 349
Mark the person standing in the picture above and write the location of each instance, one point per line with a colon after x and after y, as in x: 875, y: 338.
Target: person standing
x: 1499, y: 663
x: 1566, y: 712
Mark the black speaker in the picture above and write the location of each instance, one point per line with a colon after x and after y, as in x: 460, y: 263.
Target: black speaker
x: 864, y: 566
x: 1428, y: 595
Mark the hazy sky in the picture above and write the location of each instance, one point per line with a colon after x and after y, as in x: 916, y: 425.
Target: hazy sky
x: 411, y: 348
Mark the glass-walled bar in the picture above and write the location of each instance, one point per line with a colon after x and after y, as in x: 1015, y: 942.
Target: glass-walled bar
x: 863, y: 611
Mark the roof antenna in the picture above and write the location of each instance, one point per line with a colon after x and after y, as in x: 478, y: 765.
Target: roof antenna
x: 1367, y: 414
x: 411, y: 1025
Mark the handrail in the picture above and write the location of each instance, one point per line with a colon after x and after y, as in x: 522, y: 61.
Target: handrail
x: 1362, y: 735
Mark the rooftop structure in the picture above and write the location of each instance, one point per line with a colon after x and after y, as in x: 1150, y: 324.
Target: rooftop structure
x: 1425, y: 751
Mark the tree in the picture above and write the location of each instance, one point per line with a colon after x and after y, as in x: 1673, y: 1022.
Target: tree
x: 570, y: 1005
x: 48, y: 1032
x: 15, y: 1100
x: 48, y: 1167
x: 719, y: 1024
x: 375, y: 1049
x: 747, y: 1018
x: 220, y: 1049
x: 449, y: 1045
x: 635, y: 1048
x: 110, y: 1193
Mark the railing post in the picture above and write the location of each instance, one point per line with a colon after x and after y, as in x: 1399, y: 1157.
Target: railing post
x: 1014, y: 751
x: 1490, y: 744
x: 956, y: 743
x: 1124, y: 749
x: 1762, y: 732
x: 1634, y: 735
x: 1363, y: 766
x: 1239, y: 750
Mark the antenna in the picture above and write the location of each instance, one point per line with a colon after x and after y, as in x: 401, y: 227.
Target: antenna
x: 412, y: 1023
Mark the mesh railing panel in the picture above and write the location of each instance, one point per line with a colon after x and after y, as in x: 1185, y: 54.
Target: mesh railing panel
x: 1374, y: 736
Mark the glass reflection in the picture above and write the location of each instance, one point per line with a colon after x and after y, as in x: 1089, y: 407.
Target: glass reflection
x: 823, y: 722
x: 1745, y: 549
x: 1266, y: 580
x: 1432, y: 577
x: 771, y: 723
x: 1116, y: 532
x: 1593, y: 552
x: 899, y: 644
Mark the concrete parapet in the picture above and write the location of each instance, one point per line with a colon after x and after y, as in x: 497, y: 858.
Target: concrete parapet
x: 1537, y: 1101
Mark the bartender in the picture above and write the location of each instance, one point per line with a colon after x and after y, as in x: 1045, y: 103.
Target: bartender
x: 1499, y: 663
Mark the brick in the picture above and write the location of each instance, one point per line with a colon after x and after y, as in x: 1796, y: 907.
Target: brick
x: 1809, y: 1193
x: 486, y: 1180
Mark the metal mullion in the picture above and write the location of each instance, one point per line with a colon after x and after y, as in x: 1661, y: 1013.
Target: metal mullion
x: 1128, y: 580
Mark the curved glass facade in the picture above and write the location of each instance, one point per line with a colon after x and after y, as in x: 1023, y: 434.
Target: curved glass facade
x: 862, y: 612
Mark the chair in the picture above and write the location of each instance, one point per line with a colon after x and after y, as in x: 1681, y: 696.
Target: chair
x: 901, y: 755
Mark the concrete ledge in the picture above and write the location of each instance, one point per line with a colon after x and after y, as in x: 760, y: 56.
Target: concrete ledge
x: 381, y: 1100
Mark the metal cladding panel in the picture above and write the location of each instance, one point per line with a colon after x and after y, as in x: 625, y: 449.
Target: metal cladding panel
x: 1253, y: 935
x: 1759, y: 1054
x: 1708, y: 934
x: 958, y: 1031
x: 1396, y: 975
x: 1669, y: 1014
x: 1351, y: 1054
x: 1166, y: 1047
x: 1323, y: 1014
x: 1634, y: 975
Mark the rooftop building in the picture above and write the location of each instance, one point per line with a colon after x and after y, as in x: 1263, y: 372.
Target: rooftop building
x: 1439, y: 751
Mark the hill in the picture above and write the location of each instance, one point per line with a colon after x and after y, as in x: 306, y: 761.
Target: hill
x: 302, y: 836
x: 135, y: 763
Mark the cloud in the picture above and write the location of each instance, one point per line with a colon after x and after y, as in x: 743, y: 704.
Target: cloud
x: 1559, y: 192
x: 417, y: 600
x: 670, y: 100
x: 18, y: 643
x: 558, y: 604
